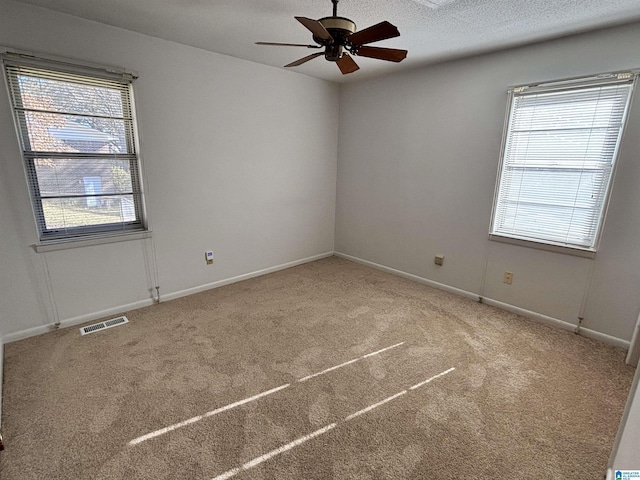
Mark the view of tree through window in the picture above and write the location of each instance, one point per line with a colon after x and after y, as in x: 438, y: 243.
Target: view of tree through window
x: 78, y: 145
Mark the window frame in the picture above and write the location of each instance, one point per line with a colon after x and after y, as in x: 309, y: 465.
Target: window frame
x: 88, y: 234
x: 571, y: 84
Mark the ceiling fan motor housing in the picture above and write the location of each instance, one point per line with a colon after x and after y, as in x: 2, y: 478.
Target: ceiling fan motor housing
x: 339, y: 28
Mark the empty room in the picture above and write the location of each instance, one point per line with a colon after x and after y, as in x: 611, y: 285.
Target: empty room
x: 225, y: 257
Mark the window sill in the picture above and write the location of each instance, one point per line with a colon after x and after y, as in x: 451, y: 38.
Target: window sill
x: 89, y: 241
x: 550, y: 247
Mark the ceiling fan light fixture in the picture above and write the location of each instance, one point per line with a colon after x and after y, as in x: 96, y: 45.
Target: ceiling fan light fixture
x: 338, y: 23
x: 339, y: 38
x: 339, y: 28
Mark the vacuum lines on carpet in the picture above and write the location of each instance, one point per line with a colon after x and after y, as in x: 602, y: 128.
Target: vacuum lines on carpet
x: 184, y: 423
x: 299, y: 441
x: 304, y: 379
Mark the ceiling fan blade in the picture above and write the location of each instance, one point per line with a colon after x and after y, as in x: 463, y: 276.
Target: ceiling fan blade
x: 347, y: 64
x: 390, y: 54
x: 305, y: 59
x: 288, y: 44
x: 316, y: 28
x: 375, y: 33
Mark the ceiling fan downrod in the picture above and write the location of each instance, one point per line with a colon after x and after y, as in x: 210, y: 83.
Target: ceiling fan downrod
x: 339, y: 29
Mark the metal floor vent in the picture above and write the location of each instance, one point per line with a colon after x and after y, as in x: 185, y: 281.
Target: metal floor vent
x: 114, y: 322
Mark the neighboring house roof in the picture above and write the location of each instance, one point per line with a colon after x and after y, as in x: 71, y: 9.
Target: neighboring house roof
x: 74, y: 132
x: 67, y: 176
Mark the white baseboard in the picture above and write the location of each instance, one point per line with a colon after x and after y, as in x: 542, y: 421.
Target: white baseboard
x: 504, y: 306
x: 585, y: 332
x: 410, y: 276
x: 12, y: 337
x: 245, y: 276
x: 29, y: 332
x: 603, y: 337
x: 70, y: 322
x: 529, y: 314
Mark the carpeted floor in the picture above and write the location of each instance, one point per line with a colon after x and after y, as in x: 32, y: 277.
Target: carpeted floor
x: 241, y: 379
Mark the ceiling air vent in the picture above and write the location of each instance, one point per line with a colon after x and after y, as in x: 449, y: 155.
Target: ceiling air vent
x: 114, y: 322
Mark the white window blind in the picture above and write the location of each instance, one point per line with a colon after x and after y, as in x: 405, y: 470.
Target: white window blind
x: 558, y: 157
x: 77, y: 136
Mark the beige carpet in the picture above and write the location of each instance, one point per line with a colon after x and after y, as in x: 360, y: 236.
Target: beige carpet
x: 525, y: 400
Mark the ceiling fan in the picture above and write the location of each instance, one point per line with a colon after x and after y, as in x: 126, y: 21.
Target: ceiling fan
x: 338, y: 36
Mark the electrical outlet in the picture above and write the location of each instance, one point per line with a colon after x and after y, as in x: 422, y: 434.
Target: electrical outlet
x: 508, y: 278
x: 439, y: 260
x: 208, y: 256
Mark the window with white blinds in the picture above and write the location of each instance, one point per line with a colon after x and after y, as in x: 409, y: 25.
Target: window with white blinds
x: 77, y: 136
x: 558, y: 158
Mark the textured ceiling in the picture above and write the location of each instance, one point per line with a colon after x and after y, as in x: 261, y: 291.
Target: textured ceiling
x: 432, y: 30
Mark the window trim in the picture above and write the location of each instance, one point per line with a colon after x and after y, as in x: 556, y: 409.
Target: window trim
x: 572, y: 83
x: 89, y: 241
x: 87, y: 235
x: 549, y: 247
x: 67, y: 65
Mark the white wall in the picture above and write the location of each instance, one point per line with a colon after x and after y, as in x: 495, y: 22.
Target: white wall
x: 626, y: 450
x: 235, y: 162
x: 238, y: 157
x: 418, y: 156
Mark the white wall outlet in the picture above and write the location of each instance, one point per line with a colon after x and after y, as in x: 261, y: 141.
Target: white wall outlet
x: 508, y: 278
x: 208, y: 257
x: 439, y: 260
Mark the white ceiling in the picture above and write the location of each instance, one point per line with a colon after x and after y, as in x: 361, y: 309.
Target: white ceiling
x: 431, y: 30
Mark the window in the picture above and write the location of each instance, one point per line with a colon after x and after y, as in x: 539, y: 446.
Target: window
x: 77, y: 135
x: 559, y: 154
